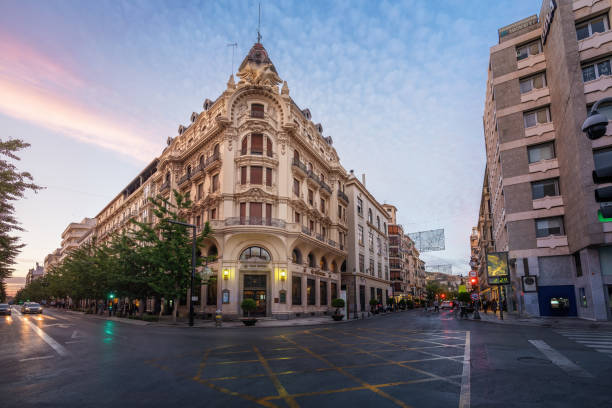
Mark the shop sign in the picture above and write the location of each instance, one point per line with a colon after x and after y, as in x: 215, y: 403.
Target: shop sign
x: 497, y: 268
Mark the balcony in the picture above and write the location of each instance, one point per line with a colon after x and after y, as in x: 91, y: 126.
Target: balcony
x: 325, y: 187
x: 320, y: 237
x: 331, y: 242
x: 269, y: 222
x: 212, y: 160
x: 184, y: 179
x: 164, y: 186
x: 306, y: 231
x: 343, y: 197
x: 314, y: 177
x: 300, y: 166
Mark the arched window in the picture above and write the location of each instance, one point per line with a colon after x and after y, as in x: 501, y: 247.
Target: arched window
x: 296, y: 156
x: 323, y: 177
x: 268, y: 146
x: 370, y: 215
x: 201, y: 161
x: 378, y: 222
x: 216, y: 150
x: 309, y: 166
x: 255, y: 254
x: 168, y: 177
x: 323, y: 264
x: 296, y: 256
x: 334, y: 267
x: 311, y: 260
x: 188, y: 171
x: 257, y: 143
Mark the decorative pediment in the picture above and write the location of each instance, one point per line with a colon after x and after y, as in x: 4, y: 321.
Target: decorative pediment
x: 256, y: 193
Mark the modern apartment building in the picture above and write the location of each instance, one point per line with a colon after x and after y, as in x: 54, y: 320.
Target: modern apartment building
x: 543, y: 74
x: 74, y: 233
x: 398, y: 263
x: 481, y: 242
x: 367, y: 265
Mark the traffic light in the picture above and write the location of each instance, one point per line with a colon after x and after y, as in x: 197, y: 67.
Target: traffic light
x: 111, y: 295
x: 473, y: 281
x: 443, y: 295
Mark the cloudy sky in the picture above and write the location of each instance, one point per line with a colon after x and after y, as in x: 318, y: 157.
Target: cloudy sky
x: 97, y: 87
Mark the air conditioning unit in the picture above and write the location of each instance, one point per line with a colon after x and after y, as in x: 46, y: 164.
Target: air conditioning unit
x: 530, y: 283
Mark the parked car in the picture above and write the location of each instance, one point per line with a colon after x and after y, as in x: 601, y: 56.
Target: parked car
x: 31, y: 307
x: 5, y: 309
x: 447, y: 304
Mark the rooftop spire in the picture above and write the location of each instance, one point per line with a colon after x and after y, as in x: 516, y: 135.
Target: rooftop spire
x: 259, y: 26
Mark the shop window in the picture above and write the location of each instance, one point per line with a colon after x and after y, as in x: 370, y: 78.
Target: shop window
x: 310, y: 292
x: 296, y: 290
x: 323, y: 293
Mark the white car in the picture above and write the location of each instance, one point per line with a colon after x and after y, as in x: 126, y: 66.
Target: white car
x: 447, y: 304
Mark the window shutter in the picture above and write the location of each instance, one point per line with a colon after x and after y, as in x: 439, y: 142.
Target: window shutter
x: 256, y: 175
x: 244, y: 145
x: 269, y: 146
x: 243, y: 175
x: 256, y: 143
x: 542, y: 116
x: 268, y: 177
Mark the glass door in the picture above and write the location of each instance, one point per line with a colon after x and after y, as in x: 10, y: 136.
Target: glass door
x: 255, y: 288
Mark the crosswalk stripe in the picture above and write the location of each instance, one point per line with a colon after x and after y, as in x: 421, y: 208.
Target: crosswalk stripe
x: 598, y: 345
x: 598, y: 341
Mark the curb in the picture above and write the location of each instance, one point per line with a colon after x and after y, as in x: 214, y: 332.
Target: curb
x: 584, y: 324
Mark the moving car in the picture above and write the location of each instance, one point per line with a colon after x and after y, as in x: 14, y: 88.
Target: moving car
x: 5, y: 309
x: 447, y: 304
x: 31, y: 307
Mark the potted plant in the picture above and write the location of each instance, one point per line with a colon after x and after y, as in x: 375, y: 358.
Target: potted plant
x: 248, y: 305
x: 402, y: 304
x: 374, y: 305
x: 338, y: 303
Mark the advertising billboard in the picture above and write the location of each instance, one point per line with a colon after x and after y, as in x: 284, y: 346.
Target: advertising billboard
x: 497, y: 268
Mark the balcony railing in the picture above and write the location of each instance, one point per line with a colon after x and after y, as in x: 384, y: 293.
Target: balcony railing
x: 313, y: 176
x: 305, y: 230
x: 165, y: 186
x: 341, y: 247
x: 331, y: 242
x: 325, y: 187
x: 257, y: 114
x: 270, y: 222
x: 184, y: 179
x: 212, y: 159
x: 343, y: 196
x: 320, y: 237
x: 297, y: 163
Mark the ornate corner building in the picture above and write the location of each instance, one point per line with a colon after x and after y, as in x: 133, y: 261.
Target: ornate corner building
x: 271, y: 187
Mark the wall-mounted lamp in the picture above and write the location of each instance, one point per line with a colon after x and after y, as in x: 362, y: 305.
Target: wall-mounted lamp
x: 282, y: 273
x: 226, y: 273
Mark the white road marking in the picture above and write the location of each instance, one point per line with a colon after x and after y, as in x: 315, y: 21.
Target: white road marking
x: 560, y: 360
x: 37, y: 358
x: 464, y: 398
x: 75, y: 335
x: 59, y: 349
x: 60, y: 325
x: 73, y: 342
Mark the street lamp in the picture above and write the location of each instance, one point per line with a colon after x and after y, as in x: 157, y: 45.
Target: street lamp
x: 193, y: 265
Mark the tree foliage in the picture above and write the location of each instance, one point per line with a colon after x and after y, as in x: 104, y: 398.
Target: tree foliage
x: 13, y: 186
x: 148, y: 260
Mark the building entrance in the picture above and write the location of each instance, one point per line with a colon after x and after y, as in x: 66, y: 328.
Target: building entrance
x: 255, y: 288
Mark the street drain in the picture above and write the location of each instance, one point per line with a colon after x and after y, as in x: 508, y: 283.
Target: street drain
x: 530, y: 359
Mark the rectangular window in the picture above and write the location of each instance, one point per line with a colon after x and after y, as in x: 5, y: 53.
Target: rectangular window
x: 323, y: 293
x: 323, y: 206
x: 268, y: 177
x: 339, y: 211
x: 359, y: 206
x: 268, y: 147
x: 578, y: 264
x: 198, y: 221
x: 537, y: 81
x: 544, y: 151
x: 360, y: 234
x: 256, y: 143
x: 242, y: 213
x: 257, y: 110
x: 311, y: 296
x: 256, y: 175
x: 372, y: 267
x: 595, y: 25
x: 255, y: 214
x: 549, y: 226
x: 545, y: 188
x: 215, y: 183
x: 268, y: 214
x: 536, y: 117
x: 310, y: 197
x: 334, y: 290
x: 296, y: 290
x: 379, y: 270
x: 296, y: 187
x: 595, y: 70
x: 243, y: 175
x: 297, y: 217
x: 200, y: 191
x: 361, y: 263
x: 312, y: 227
x: 527, y: 50
x: 371, y: 241
x: 602, y: 157
x: 213, y: 214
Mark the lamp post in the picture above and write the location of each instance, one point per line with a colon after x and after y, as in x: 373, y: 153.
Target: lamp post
x: 193, y: 264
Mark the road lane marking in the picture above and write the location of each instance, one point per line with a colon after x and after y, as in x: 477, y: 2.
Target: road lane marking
x: 465, y: 396
x: 282, y: 392
x: 74, y: 341
x: 560, y: 360
x: 59, y: 349
x: 37, y: 358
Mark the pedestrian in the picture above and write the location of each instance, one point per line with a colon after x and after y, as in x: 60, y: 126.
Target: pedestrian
x: 484, y: 306
x: 494, y: 306
x: 436, y: 306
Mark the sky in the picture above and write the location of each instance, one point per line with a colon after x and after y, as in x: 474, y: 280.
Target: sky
x: 96, y: 88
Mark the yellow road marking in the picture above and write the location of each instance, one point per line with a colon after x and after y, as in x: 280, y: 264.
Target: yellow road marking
x: 282, y: 392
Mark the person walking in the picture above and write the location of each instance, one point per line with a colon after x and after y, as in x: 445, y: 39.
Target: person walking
x: 484, y: 306
x: 494, y: 306
x: 436, y: 306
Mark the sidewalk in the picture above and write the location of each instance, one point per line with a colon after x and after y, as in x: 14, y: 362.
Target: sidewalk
x: 555, y: 322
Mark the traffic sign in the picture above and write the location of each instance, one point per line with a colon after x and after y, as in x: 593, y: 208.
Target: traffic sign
x: 473, y: 274
x: 474, y: 296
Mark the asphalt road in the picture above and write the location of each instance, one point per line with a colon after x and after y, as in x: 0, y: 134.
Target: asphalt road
x: 411, y: 359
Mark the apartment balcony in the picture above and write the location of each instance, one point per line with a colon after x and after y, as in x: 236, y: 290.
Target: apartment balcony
x: 535, y: 94
x: 212, y: 161
x: 183, y: 180
x: 343, y: 197
x: 539, y: 129
x: 325, y: 187
x: 259, y: 221
x: 331, y: 242
x: 306, y: 230
x: 165, y: 186
x: 300, y: 167
x: 530, y: 61
x: 320, y: 237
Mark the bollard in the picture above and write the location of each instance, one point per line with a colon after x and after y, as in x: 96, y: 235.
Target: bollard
x: 218, y: 318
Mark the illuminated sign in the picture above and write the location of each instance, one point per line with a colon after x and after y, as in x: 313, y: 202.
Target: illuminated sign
x: 497, y: 268
x: 552, y: 6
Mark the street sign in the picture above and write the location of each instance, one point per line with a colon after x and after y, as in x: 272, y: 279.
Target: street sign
x: 474, y: 296
x: 473, y: 274
x: 194, y: 298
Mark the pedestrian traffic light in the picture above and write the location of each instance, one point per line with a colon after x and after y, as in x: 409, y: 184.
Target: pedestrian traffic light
x: 473, y: 281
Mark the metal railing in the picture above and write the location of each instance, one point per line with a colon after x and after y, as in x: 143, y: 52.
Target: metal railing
x: 165, y: 185
x: 331, y: 242
x: 297, y: 163
x: 325, y: 187
x: 184, y: 179
x: 305, y: 230
x: 343, y: 196
x: 320, y: 237
x: 270, y: 222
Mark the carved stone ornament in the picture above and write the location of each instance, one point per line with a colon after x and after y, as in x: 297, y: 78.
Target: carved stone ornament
x: 282, y: 139
x: 257, y: 68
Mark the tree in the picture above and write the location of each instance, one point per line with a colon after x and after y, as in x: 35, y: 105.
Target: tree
x: 433, y: 289
x: 13, y: 185
x: 167, y: 248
